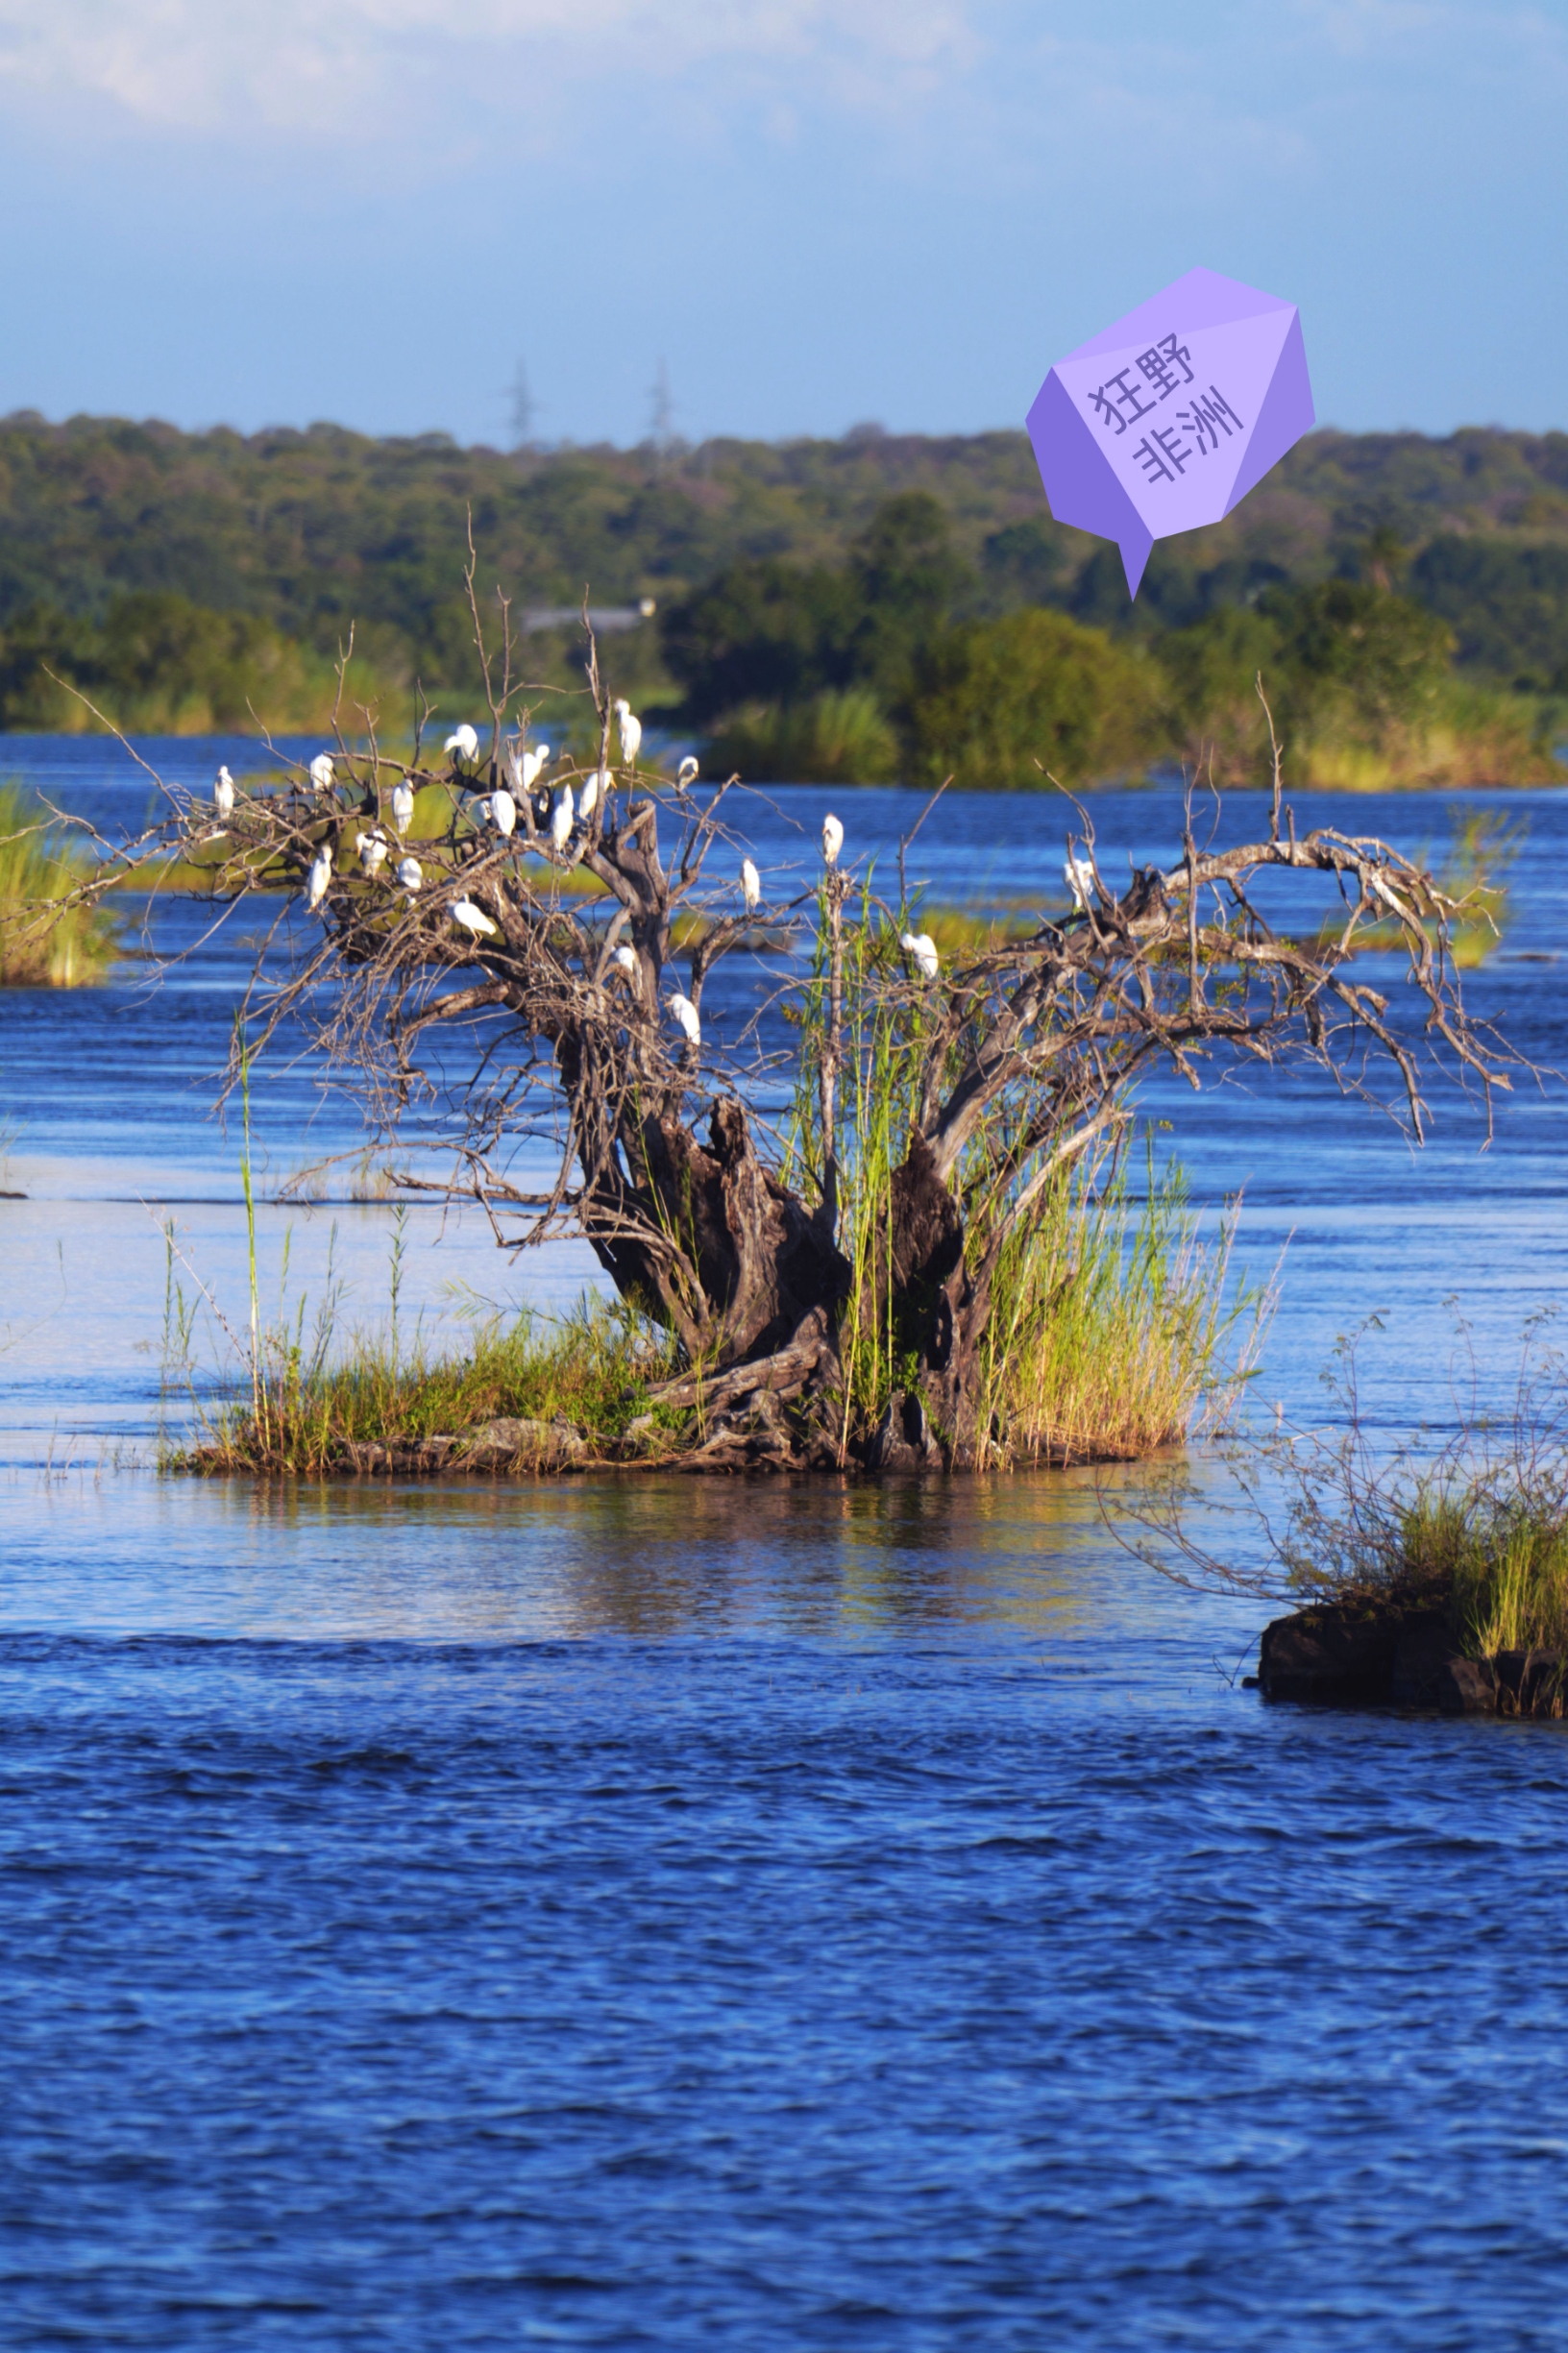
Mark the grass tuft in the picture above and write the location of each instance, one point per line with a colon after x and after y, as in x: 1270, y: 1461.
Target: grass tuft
x: 311, y: 1413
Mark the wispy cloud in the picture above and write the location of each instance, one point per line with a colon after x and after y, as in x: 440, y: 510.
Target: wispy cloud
x: 355, y: 65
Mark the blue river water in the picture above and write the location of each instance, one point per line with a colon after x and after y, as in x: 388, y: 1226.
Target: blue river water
x: 660, y: 1913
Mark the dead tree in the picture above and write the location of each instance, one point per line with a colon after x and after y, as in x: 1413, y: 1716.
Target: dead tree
x: 1013, y: 1063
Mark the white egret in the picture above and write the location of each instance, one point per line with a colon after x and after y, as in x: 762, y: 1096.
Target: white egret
x: 372, y: 849
x: 485, y: 812
x: 592, y: 787
x: 410, y: 873
x: 473, y: 918
x: 403, y: 806
x: 685, y: 1013
x: 832, y: 840
x: 560, y: 819
x: 223, y: 793
x: 504, y: 813
x: 627, y: 959
x: 751, y: 886
x: 530, y: 767
x: 321, y: 874
x: 631, y: 731
x: 463, y: 742
x: 321, y: 771
x: 1079, y: 876
x: 687, y: 771
x: 921, y: 950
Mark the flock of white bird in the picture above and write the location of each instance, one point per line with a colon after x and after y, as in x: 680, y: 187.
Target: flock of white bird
x: 499, y: 811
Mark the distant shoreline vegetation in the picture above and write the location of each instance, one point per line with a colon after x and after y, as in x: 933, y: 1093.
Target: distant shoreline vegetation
x: 884, y: 606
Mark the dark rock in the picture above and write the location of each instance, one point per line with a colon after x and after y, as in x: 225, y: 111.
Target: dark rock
x: 1340, y: 1654
x: 1329, y: 1653
x: 1431, y: 1672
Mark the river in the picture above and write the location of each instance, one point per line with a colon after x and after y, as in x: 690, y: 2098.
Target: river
x: 661, y: 1913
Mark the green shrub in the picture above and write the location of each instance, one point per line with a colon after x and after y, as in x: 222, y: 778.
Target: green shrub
x: 838, y: 737
x: 998, y: 702
x: 1212, y: 714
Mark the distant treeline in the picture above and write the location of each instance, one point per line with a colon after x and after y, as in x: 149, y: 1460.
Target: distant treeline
x: 880, y: 667
x: 904, y: 595
x: 157, y: 663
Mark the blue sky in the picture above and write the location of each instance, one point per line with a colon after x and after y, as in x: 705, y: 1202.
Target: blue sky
x: 815, y: 211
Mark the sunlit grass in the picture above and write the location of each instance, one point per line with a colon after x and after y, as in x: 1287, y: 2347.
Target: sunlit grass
x: 46, y: 940
x: 314, y: 1409
x: 1115, y: 1329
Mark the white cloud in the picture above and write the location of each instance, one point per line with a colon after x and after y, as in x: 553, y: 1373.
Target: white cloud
x: 306, y: 65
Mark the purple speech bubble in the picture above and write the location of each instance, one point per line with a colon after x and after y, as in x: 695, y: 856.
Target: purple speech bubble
x: 1166, y: 419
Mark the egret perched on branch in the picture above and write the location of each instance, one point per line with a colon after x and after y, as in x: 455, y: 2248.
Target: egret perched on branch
x: 685, y: 1013
x: 687, y: 771
x: 560, y: 819
x: 485, y: 812
x: 631, y: 731
x: 832, y: 840
x: 321, y: 874
x: 403, y: 806
x: 921, y: 950
x: 529, y: 766
x: 473, y: 918
x: 410, y: 873
x: 750, y: 885
x: 463, y: 742
x: 1079, y: 876
x: 504, y: 813
x: 223, y: 793
x: 592, y: 787
x: 372, y: 848
x: 627, y: 959
x: 321, y: 771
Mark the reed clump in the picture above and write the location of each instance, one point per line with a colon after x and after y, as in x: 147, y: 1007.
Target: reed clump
x: 49, y: 937
x: 1115, y: 1330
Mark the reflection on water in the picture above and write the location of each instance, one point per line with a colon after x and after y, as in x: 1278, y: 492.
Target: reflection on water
x: 650, y: 1555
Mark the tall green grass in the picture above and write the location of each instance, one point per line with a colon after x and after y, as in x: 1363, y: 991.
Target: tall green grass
x: 1114, y: 1328
x: 45, y: 942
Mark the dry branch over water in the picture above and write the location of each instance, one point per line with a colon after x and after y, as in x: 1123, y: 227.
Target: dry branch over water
x: 863, y: 1282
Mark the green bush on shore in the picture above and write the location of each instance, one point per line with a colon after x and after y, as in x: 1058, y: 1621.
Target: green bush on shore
x: 1000, y: 702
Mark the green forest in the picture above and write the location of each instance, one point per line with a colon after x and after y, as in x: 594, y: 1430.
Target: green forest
x: 877, y: 606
